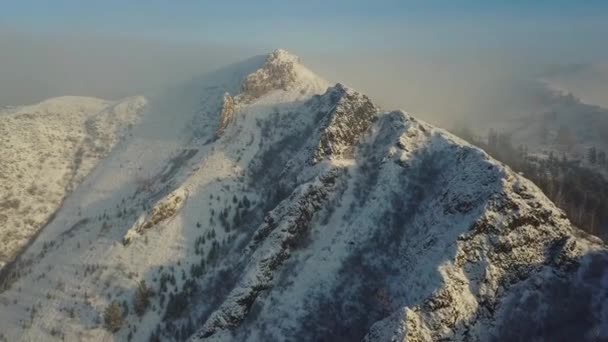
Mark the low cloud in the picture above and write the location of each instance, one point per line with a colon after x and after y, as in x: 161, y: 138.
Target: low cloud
x: 445, y: 88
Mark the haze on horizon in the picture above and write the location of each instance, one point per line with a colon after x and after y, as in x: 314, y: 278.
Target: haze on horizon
x: 211, y: 185
x: 440, y: 60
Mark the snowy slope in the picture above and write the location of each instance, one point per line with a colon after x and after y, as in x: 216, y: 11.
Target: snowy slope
x: 47, y: 149
x: 261, y: 204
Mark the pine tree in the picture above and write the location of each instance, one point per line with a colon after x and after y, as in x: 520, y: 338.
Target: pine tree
x: 112, y: 317
x: 125, y: 309
x: 142, y: 298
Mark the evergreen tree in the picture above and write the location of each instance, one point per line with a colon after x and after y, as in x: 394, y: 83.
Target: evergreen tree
x: 112, y: 317
x: 125, y: 309
x: 142, y: 298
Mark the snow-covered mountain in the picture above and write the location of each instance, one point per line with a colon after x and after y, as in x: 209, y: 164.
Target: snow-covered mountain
x: 260, y: 203
x: 47, y: 149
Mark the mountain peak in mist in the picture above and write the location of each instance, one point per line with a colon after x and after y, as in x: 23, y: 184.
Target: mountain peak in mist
x: 280, y: 70
x: 260, y: 203
x: 283, y: 54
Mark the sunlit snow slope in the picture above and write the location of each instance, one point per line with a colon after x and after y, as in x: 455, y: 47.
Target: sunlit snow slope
x: 46, y: 151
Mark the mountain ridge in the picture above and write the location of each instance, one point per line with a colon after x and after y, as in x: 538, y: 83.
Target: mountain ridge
x: 303, y: 211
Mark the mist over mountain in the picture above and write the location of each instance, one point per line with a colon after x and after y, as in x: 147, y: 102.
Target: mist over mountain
x: 449, y: 86
x: 398, y: 171
x: 262, y: 202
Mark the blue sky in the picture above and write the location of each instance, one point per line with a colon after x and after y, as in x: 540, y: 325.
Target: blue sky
x: 313, y: 23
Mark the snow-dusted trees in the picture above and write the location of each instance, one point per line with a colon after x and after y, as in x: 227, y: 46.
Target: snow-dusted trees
x: 112, y: 317
x: 141, y: 301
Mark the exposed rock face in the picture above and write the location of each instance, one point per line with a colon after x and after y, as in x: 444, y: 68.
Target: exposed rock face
x: 270, y: 247
x: 162, y: 211
x: 226, y: 115
x: 277, y: 73
x: 352, y: 116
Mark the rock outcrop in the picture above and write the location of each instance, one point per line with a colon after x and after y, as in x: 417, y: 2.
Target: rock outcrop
x: 351, y: 116
x: 278, y: 73
x: 226, y: 114
x: 164, y: 210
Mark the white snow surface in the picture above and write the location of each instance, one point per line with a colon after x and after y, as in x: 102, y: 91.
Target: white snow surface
x: 315, y: 215
x: 47, y: 150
